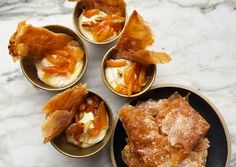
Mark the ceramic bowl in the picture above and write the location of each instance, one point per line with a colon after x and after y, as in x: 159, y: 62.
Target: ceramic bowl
x: 151, y: 73
x: 60, y: 143
x: 76, y: 14
x: 29, y: 69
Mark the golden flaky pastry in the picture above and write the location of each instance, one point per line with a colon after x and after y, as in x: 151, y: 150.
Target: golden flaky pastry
x: 56, y: 123
x: 29, y: 41
x: 61, y: 109
x: 162, y: 133
x: 67, y: 99
x: 107, y: 6
x: 134, y: 40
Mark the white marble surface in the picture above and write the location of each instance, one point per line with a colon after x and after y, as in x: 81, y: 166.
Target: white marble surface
x: 199, y: 34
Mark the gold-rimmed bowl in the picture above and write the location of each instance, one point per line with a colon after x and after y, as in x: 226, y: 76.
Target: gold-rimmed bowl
x: 151, y: 73
x: 29, y: 69
x: 78, y: 10
x: 70, y: 150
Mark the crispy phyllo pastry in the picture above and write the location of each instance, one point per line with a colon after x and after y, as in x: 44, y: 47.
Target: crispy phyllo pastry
x: 67, y: 99
x: 127, y: 70
x: 58, y: 58
x: 30, y: 41
x: 81, y: 116
x: 61, y: 109
x: 102, y: 20
x: 56, y: 123
x: 168, y: 132
x: 136, y: 37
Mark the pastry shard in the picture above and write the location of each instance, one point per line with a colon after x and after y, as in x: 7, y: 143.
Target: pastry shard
x: 67, y: 99
x: 163, y: 133
x: 29, y: 41
x: 136, y: 37
x: 56, y: 123
x: 61, y: 110
x: 145, y: 57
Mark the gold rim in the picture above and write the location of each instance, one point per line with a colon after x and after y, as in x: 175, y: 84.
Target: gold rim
x: 227, y: 134
x: 75, y: 18
x: 106, y: 56
x: 81, y: 73
x: 107, y: 136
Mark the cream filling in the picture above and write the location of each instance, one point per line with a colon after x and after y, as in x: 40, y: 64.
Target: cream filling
x: 87, y: 141
x: 86, y: 32
x: 115, y: 75
x: 57, y: 80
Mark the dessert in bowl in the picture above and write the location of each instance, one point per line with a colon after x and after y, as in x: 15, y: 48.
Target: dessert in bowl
x: 129, y: 69
x: 99, y: 21
x: 51, y: 57
x: 78, y: 122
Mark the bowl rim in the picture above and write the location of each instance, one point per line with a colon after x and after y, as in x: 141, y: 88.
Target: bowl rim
x: 197, y: 92
x: 86, y: 59
x: 111, y: 126
x: 77, y: 29
x: 102, y: 70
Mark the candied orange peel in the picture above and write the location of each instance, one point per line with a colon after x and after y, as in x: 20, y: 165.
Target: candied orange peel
x: 116, y: 63
x: 63, y: 61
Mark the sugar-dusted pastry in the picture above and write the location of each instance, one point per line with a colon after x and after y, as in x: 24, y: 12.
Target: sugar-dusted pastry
x: 102, y: 20
x: 127, y: 70
x: 168, y: 132
x: 58, y: 58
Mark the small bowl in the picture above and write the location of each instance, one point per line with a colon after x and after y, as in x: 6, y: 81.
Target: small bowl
x: 219, y: 152
x: 29, y: 69
x: 76, y: 14
x: 70, y: 150
x: 151, y: 73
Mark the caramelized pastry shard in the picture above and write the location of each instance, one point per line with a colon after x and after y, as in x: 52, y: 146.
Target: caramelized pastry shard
x: 136, y: 37
x: 67, y: 99
x: 56, y: 123
x: 146, y: 57
x: 22, y: 43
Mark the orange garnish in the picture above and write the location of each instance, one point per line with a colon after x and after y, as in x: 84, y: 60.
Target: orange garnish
x: 128, y: 73
x: 142, y: 76
x: 91, y: 12
x: 134, y: 78
x: 100, y: 120
x: 64, y: 60
x: 131, y: 84
x: 104, y: 27
x: 89, y: 24
x: 121, y: 89
x: 54, y: 70
x: 116, y: 63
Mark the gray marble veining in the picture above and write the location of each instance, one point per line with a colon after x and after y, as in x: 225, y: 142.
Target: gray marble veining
x: 199, y: 34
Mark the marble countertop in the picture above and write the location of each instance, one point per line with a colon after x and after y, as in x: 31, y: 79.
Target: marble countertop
x: 199, y: 34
